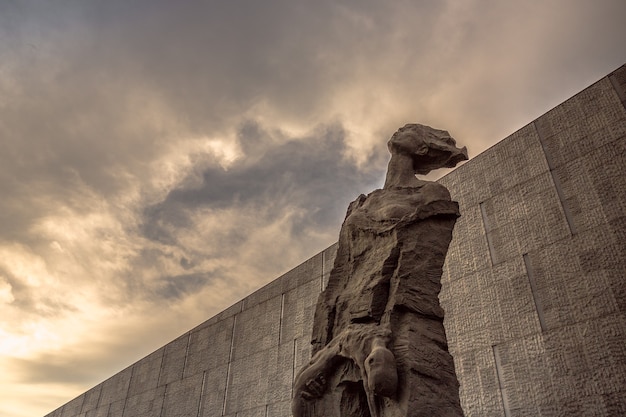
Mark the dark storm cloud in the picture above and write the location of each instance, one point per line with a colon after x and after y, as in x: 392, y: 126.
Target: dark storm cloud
x: 225, y: 56
x: 178, y: 286
x: 77, y: 80
x: 309, y: 173
x: 212, y: 60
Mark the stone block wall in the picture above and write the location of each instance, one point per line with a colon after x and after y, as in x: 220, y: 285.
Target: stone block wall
x: 534, y: 289
x: 534, y: 286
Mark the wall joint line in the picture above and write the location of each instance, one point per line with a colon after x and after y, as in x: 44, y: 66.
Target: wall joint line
x: 483, y: 213
x: 230, y: 360
x: 500, y: 376
x: 569, y: 218
x: 534, y: 292
x: 201, y: 394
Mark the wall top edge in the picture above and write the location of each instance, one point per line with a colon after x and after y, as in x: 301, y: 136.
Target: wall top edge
x: 482, y: 154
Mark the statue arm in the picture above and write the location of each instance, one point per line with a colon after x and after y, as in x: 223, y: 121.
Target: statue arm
x: 311, y: 382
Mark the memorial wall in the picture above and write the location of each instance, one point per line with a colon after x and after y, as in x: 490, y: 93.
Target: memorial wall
x: 534, y: 291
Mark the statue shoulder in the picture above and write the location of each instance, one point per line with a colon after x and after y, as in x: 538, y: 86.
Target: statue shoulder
x: 436, y: 192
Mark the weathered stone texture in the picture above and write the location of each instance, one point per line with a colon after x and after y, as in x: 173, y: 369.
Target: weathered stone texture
x: 145, y: 373
x: 253, y: 335
x: 182, y: 397
x: 73, y: 408
x: 538, y: 332
x: 116, y: 387
x: 174, y: 360
x: 146, y: 404
x: 214, y: 393
x: 209, y: 346
x: 91, y: 398
x: 101, y: 411
x: 116, y: 408
x: 545, y: 313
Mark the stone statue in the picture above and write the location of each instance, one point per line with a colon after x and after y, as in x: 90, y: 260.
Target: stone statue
x: 379, y: 346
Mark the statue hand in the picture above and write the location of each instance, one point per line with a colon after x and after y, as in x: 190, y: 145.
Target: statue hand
x: 308, y: 386
x: 314, y: 388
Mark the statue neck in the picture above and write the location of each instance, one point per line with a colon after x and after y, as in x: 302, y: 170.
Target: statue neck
x: 400, y: 172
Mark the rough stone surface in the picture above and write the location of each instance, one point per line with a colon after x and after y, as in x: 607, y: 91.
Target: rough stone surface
x: 378, y: 338
x: 533, y: 286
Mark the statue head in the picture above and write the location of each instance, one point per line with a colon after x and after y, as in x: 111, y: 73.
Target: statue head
x: 428, y: 148
x: 382, y: 375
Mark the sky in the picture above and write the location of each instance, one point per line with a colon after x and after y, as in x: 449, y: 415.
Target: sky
x: 160, y: 160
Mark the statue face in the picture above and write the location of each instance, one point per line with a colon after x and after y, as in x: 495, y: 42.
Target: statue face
x: 428, y: 148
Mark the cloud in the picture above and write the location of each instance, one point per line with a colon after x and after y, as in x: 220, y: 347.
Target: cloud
x: 274, y: 174
x: 214, y: 222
